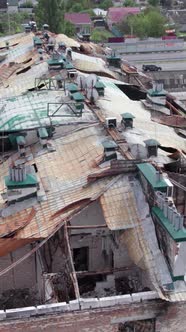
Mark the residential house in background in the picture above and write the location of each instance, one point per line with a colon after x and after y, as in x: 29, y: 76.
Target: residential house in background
x: 81, y: 21
x: 99, y: 12
x: 12, y: 6
x: 3, y: 6
x: 117, y: 14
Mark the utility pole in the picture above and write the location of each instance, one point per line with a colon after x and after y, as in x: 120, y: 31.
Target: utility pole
x: 8, y: 18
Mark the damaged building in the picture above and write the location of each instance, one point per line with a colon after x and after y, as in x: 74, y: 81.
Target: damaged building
x: 92, y: 205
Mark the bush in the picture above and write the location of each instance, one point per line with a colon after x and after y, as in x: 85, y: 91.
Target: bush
x: 100, y: 36
x: 27, y: 4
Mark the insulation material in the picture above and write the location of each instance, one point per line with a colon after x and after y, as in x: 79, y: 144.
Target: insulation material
x: 92, y: 67
x: 69, y: 42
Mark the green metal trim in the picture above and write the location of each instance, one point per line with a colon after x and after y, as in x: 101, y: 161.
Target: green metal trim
x: 99, y: 85
x: 127, y: 116
x: 78, y: 97
x: 31, y: 181
x: 149, y: 172
x: 72, y: 87
x: 177, y: 236
x: 176, y: 278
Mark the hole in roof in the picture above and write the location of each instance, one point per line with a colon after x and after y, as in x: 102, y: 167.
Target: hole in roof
x: 132, y: 91
x: 23, y: 70
x: 35, y: 167
x: 26, y: 61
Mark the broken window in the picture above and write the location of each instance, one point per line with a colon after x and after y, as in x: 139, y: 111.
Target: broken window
x: 147, y: 325
x: 81, y: 256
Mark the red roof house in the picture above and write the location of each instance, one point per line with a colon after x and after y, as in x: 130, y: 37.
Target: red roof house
x: 81, y: 21
x: 117, y: 14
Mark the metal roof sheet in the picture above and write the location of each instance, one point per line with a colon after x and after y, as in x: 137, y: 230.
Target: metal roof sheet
x: 113, y: 104
x: 63, y: 183
x: 119, y: 206
x: 30, y: 111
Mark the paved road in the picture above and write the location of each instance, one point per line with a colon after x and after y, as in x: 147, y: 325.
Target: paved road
x: 167, y: 60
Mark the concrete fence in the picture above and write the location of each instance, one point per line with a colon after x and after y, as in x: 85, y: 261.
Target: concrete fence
x: 148, y: 46
x: 77, y: 305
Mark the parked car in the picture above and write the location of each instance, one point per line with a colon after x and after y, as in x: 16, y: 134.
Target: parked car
x: 151, y: 68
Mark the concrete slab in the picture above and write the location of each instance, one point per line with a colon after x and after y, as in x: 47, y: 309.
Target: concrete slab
x: 52, y: 308
x: 20, y: 312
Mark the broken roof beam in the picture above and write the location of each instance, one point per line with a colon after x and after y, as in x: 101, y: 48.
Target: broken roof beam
x: 73, y: 273
x: 117, y: 167
x: 87, y: 226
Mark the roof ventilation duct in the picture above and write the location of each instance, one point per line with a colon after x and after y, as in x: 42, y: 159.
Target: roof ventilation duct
x: 160, y: 197
x: 17, y: 174
x: 165, y: 207
x: 111, y: 123
x: 21, y: 142
x: 43, y: 136
x: 176, y: 221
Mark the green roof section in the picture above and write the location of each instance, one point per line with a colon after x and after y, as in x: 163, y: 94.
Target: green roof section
x: 72, y: 87
x: 69, y: 65
x: 37, y: 41
x: 127, y: 116
x: 42, y: 133
x: 99, y: 85
x: 177, y: 236
x: 149, y: 172
x: 78, y: 97
x: 31, y: 181
x: 55, y: 62
x: 152, y: 92
x: 20, y: 140
x: 151, y: 142
x: 113, y: 57
x: 109, y: 144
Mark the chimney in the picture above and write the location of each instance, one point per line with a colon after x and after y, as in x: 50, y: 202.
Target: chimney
x: 177, y: 221
x: 157, y: 176
x: 160, y: 199
x: 17, y: 174
x: 165, y: 208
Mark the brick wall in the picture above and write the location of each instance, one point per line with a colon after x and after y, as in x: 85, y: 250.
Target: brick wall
x: 170, y: 317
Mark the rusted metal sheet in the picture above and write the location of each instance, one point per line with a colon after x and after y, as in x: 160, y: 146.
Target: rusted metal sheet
x: 172, y: 120
x: 11, y: 228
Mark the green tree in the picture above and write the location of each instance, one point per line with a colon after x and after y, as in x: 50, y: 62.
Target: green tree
x: 106, y: 4
x: 68, y: 29
x: 50, y: 12
x: 153, y: 3
x: 129, y: 3
x: 99, y: 35
x: 76, y: 8
x: 149, y: 23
